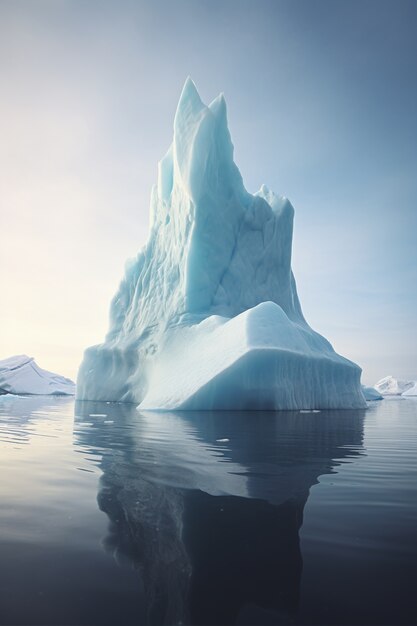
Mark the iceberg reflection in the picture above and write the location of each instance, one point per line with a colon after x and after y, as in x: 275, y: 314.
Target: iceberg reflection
x: 208, y: 506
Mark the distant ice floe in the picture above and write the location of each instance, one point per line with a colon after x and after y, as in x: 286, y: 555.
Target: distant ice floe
x: 390, y: 386
x: 21, y: 375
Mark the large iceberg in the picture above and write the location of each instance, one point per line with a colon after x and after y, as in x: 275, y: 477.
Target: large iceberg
x: 21, y: 375
x: 207, y: 315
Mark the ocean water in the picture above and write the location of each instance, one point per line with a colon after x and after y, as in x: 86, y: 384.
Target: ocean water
x: 111, y: 516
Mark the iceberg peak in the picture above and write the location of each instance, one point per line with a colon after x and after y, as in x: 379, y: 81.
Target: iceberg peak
x: 202, y: 147
x: 190, y: 101
x: 207, y: 316
x: 219, y: 108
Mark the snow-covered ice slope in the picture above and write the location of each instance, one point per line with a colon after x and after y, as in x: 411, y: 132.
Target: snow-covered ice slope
x: 390, y: 386
x: 207, y: 315
x: 20, y: 375
x: 411, y: 391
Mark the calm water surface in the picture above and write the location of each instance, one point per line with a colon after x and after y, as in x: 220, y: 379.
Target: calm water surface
x: 111, y: 516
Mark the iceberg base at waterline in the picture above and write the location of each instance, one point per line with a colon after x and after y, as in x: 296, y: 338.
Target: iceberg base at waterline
x: 242, y: 363
x: 258, y: 360
x: 207, y: 315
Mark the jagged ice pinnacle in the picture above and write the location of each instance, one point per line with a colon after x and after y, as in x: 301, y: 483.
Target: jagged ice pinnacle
x: 207, y: 315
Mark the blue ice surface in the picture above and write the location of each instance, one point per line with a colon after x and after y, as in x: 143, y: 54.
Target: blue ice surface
x: 371, y: 393
x: 207, y: 315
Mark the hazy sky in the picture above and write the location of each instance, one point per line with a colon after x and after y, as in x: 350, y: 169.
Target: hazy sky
x: 322, y: 104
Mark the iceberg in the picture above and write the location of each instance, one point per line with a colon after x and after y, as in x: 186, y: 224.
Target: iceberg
x: 390, y: 386
x: 371, y: 394
x: 207, y: 315
x: 21, y: 375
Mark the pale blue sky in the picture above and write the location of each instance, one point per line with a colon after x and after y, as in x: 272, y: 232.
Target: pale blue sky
x: 322, y: 102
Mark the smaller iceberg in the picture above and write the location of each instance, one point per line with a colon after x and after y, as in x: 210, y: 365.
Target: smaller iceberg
x: 371, y: 393
x: 21, y: 375
x: 390, y: 386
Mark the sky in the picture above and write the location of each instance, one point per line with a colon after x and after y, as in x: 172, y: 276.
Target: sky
x: 322, y: 107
